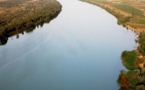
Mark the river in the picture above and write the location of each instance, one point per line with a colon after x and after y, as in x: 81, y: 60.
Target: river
x: 78, y: 50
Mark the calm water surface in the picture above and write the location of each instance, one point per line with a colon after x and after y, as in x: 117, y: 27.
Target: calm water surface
x: 79, y: 50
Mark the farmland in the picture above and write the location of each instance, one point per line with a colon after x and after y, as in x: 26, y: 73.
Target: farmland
x: 130, y: 13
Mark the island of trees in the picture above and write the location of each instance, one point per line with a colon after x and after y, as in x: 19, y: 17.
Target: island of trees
x: 130, y: 14
x: 17, y: 16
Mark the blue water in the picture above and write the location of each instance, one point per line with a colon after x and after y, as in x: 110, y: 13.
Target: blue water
x: 78, y: 50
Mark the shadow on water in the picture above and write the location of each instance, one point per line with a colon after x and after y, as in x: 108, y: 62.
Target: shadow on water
x: 26, y: 27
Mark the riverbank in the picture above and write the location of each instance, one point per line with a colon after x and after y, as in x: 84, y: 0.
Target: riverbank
x: 17, y: 16
x: 130, y: 13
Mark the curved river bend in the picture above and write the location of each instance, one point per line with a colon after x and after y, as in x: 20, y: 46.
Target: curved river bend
x: 79, y: 50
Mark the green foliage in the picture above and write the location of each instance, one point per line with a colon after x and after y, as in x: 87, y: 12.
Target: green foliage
x: 141, y: 47
x: 129, y: 59
x: 133, y: 77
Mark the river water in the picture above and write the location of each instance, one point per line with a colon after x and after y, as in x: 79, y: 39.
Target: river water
x: 78, y: 50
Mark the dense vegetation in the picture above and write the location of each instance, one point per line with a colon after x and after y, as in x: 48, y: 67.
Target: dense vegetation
x: 129, y: 59
x: 141, y: 47
x: 17, y: 16
x: 131, y: 80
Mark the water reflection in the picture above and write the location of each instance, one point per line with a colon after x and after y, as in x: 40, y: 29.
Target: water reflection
x: 24, y: 28
x: 3, y: 40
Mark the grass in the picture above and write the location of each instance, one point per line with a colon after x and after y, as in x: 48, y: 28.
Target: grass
x: 129, y: 9
x: 140, y: 20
